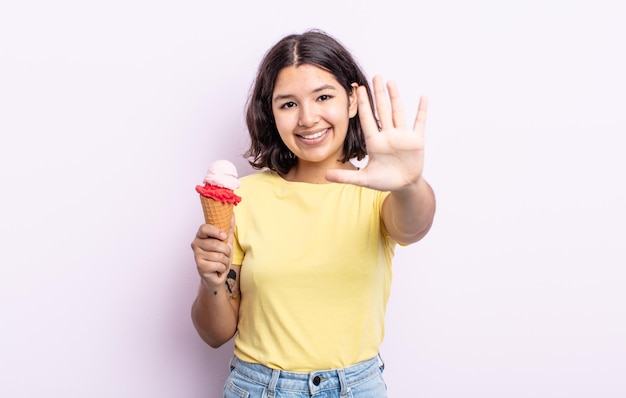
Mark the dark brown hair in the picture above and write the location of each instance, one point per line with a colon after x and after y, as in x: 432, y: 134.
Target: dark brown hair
x: 312, y: 47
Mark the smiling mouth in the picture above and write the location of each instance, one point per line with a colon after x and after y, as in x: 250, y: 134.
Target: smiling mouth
x: 313, y: 136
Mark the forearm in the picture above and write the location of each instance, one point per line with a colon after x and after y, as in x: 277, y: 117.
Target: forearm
x: 408, y: 213
x: 214, y: 315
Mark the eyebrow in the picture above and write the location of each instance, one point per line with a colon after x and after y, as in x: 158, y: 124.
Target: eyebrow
x: 320, y: 88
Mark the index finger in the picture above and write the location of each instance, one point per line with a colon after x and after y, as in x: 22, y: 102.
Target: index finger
x: 366, y: 114
x: 207, y: 231
x: 383, y: 107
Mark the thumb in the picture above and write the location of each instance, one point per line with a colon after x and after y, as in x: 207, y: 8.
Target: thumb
x: 354, y: 177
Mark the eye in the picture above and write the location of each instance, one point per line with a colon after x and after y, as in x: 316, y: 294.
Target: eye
x: 289, y: 104
x: 324, y: 97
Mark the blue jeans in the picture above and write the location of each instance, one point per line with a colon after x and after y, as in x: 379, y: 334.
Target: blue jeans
x: 250, y: 380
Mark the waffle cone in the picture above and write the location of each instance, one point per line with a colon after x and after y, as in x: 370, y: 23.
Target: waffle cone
x: 217, y: 213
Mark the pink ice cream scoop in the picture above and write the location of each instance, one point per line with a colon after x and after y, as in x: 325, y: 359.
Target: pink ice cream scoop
x: 220, y: 182
x: 223, y: 174
x: 217, y: 196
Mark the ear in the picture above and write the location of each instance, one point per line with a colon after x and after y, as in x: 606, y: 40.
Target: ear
x: 352, y: 101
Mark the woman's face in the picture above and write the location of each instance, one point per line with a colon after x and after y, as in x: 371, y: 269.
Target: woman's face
x: 312, y: 112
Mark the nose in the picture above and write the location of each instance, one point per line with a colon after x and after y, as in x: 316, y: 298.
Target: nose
x: 308, y: 116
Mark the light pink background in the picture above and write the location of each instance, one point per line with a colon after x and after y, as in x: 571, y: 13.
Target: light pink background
x: 110, y: 113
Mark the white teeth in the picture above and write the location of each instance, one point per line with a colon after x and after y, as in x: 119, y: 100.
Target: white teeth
x: 314, y: 136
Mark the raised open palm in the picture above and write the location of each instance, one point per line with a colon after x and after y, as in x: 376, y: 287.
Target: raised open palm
x: 395, y: 153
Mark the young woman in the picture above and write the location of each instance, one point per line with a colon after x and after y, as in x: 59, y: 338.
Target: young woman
x: 303, y: 282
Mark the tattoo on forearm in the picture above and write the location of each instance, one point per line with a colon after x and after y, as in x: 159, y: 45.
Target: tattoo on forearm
x: 231, y: 285
x: 230, y: 280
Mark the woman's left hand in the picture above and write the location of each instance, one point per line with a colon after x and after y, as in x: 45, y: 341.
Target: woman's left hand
x: 395, y: 153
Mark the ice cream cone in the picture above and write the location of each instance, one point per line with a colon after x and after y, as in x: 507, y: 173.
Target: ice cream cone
x: 218, y: 196
x: 217, y: 213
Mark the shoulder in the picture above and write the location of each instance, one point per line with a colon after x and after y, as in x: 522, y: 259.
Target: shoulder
x: 259, y: 178
x: 257, y: 182
x: 262, y: 175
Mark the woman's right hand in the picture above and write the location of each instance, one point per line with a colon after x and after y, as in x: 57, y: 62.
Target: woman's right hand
x: 212, y: 253
x: 215, y: 311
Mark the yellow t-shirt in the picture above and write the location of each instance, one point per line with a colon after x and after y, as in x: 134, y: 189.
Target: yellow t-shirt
x: 315, y: 273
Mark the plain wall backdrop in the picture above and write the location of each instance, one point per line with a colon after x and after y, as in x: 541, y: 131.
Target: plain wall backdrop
x: 110, y: 113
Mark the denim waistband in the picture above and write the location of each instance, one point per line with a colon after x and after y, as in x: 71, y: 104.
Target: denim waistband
x: 311, y: 382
